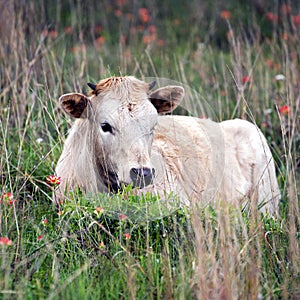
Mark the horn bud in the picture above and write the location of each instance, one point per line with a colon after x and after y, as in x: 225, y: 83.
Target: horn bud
x: 92, y: 86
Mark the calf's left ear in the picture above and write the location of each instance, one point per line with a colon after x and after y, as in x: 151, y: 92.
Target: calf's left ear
x: 167, y: 98
x: 74, y: 104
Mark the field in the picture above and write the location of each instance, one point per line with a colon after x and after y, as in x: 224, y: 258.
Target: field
x: 236, y: 60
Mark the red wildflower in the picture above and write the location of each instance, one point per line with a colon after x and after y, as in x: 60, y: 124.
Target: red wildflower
x: 118, y: 13
x: 246, y: 79
x: 144, y: 15
x: 152, y: 29
x: 272, y: 17
x: 127, y: 236
x: 284, y: 36
x: 98, y: 29
x: 5, y: 241
x: 53, y: 33
x: 68, y: 30
x: 40, y: 237
x: 160, y: 42
x: 121, y: 2
x: 225, y: 14
x: 148, y: 39
x: 296, y: 20
x: 77, y: 48
x: 53, y: 180
x: 45, y: 221
x: 8, y: 198
x: 284, y: 110
x: 270, y: 63
x: 123, y: 217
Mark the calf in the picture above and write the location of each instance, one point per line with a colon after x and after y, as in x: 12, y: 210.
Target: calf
x: 120, y: 137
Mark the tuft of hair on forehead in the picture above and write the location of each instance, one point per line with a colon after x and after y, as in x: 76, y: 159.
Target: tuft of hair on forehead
x: 122, y: 83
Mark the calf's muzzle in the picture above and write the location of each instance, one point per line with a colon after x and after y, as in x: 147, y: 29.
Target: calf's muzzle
x: 141, y: 177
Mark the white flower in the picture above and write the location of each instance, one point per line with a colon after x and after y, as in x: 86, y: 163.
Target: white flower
x: 39, y: 140
x: 268, y: 111
x: 279, y: 77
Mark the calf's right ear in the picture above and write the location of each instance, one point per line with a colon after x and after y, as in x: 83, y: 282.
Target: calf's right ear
x: 74, y: 104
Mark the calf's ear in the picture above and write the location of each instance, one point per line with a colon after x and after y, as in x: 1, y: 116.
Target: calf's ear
x: 167, y: 98
x: 74, y: 104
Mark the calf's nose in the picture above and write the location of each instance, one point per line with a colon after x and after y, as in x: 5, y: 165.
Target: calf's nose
x: 141, y: 176
x: 142, y: 172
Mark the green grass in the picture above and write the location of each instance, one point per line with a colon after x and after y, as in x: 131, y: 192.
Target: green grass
x: 198, y: 253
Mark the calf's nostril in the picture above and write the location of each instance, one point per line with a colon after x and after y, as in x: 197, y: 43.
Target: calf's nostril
x: 146, y: 172
x: 142, y: 172
x: 141, y: 177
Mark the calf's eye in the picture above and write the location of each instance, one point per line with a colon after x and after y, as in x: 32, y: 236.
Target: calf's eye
x: 106, y: 127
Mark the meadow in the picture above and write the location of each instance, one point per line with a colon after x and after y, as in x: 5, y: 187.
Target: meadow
x: 238, y: 60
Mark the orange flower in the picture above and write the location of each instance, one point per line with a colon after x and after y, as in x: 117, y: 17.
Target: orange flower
x: 100, y: 40
x: 147, y: 39
x: 5, y: 241
x: 77, y: 48
x: 53, y: 33
x: 127, y: 236
x: 53, y: 180
x: 225, y: 14
x: 99, y: 210
x: 8, y: 198
x: 68, y: 30
x: 144, y: 15
x: 284, y: 36
x: 284, y: 110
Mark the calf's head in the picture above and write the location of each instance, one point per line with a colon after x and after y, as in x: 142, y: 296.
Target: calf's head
x: 121, y: 115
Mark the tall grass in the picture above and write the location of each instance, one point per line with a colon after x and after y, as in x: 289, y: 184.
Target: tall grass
x: 79, y: 251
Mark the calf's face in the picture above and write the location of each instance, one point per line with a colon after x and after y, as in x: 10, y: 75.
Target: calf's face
x: 122, y: 121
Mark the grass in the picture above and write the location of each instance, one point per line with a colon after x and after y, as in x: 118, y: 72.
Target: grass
x: 77, y: 252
